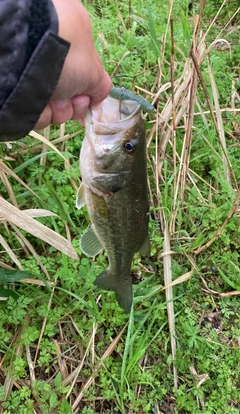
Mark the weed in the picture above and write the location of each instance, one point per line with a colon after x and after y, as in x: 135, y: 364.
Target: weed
x: 66, y: 348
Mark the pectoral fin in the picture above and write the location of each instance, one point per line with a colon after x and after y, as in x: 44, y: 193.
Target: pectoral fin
x: 80, y: 197
x: 145, y: 248
x: 90, y: 244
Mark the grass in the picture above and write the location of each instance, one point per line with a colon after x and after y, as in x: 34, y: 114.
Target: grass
x: 65, y: 347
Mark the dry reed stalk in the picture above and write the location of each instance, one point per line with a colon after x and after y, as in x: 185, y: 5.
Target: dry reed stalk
x: 46, y: 134
x: 190, y: 112
x: 36, y: 282
x: 67, y: 165
x: 10, y: 252
x: 222, y: 139
x: 169, y: 298
x: 183, y: 167
x: 7, y: 171
x: 212, y: 113
x: 30, y: 365
x: 38, y: 148
x: 220, y: 294
x: 25, y: 243
x: 39, y: 212
x: 14, y: 216
x: 179, y: 280
x: 7, y: 185
x: 48, y: 143
x: 181, y: 100
x: 5, y: 266
x: 24, y: 219
x: 61, y: 361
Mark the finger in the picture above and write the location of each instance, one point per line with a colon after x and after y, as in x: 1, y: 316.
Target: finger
x: 82, y: 121
x: 80, y: 105
x: 45, y: 118
x: 62, y: 110
x: 101, y: 90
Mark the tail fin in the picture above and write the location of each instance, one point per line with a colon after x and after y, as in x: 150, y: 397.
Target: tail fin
x: 122, y: 288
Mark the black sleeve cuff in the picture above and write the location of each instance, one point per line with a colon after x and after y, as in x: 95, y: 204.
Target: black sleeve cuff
x: 39, y: 22
x: 35, y: 87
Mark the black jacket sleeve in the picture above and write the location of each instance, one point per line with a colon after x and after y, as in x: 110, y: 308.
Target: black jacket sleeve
x: 31, y: 60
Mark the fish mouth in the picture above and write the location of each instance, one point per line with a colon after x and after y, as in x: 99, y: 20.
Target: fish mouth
x: 114, y: 116
x: 109, y: 125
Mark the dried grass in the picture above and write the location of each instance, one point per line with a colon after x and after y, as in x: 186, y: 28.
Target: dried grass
x: 20, y: 219
x: 11, y: 215
x: 179, y: 112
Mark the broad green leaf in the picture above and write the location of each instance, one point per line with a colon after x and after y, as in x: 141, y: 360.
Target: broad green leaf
x: 199, y: 241
x: 57, y: 380
x: 154, y: 41
x: 8, y: 276
x: 5, y: 294
x: 53, y: 400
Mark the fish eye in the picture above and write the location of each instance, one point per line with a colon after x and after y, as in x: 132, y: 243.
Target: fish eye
x: 130, y: 146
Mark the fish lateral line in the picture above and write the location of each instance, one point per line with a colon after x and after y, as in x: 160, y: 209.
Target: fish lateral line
x: 124, y: 94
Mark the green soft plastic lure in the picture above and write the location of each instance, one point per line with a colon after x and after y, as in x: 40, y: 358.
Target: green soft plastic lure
x: 124, y: 94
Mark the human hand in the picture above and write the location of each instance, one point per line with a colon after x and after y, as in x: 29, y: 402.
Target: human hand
x: 83, y: 82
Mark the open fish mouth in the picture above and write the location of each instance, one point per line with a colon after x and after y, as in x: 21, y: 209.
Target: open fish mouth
x: 113, y: 116
x: 107, y: 125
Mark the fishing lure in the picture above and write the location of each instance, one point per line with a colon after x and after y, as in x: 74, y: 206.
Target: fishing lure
x: 123, y: 94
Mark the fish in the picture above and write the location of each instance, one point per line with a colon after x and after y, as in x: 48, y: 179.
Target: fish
x: 114, y: 188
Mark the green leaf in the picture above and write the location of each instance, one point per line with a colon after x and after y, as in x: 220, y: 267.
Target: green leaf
x: 154, y: 41
x: 58, y: 200
x: 228, y: 281
x: 33, y: 159
x: 65, y: 407
x: 199, y: 241
x: 6, y: 293
x: 58, y: 380
x: 53, y: 400
x: 8, y: 276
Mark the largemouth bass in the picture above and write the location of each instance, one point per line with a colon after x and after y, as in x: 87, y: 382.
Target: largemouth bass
x: 114, y: 189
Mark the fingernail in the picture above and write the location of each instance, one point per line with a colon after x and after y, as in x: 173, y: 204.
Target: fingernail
x: 61, y: 103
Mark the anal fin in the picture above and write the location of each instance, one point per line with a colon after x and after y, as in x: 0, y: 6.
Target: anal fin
x: 90, y: 244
